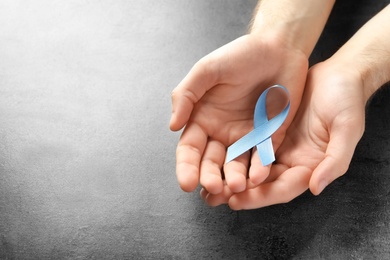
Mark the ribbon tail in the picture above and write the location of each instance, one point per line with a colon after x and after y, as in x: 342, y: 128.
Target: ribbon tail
x: 244, y: 144
x: 266, y: 152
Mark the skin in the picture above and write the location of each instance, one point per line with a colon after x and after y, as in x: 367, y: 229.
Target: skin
x: 321, y: 140
x: 215, y: 101
x: 224, y: 90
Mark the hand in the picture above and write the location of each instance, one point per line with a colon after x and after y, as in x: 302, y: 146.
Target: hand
x: 319, y: 143
x: 215, y: 103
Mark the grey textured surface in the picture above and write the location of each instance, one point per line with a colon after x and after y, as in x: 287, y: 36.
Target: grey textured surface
x: 87, y: 160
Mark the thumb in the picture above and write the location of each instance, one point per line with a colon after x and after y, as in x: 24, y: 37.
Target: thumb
x: 339, y: 152
x: 202, y: 77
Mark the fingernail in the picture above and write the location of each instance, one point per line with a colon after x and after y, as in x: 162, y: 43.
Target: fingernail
x: 233, y: 203
x: 171, y: 123
x: 322, y: 185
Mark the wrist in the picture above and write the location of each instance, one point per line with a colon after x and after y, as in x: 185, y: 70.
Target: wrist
x: 371, y: 65
x: 297, y: 26
x: 355, y: 67
x: 373, y: 78
x: 277, y: 39
x: 367, y: 52
x: 287, y: 34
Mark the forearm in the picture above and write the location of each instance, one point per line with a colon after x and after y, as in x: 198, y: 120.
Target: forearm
x: 297, y: 24
x: 368, y: 52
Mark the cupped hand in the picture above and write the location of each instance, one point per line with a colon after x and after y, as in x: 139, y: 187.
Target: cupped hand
x: 319, y: 144
x: 215, y: 104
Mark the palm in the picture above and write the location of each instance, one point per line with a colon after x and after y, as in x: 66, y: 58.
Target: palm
x: 220, y: 94
x: 318, y: 145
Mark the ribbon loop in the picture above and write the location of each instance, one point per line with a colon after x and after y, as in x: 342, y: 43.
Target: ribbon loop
x: 260, y: 136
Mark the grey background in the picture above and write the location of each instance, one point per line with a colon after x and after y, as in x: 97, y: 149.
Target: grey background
x: 87, y: 166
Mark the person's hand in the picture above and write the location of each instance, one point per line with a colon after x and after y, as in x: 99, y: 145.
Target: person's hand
x: 321, y: 140
x: 215, y: 103
x: 319, y: 143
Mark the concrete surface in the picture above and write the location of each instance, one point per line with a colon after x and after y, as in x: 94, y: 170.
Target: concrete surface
x: 87, y: 160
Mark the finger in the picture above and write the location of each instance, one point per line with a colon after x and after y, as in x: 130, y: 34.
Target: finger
x: 211, y: 165
x: 199, y: 80
x: 338, y: 156
x: 188, y: 155
x: 257, y: 172
x: 275, y: 171
x: 214, y: 200
x: 224, y: 196
x: 236, y: 172
x: 286, y: 187
x: 203, y: 193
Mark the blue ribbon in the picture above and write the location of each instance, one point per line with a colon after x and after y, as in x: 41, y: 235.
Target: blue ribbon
x: 260, y: 136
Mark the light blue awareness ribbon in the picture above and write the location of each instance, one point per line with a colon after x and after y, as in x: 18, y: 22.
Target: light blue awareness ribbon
x: 260, y: 136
